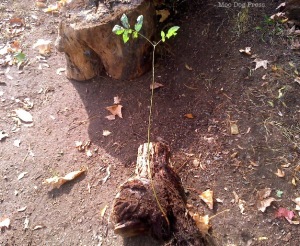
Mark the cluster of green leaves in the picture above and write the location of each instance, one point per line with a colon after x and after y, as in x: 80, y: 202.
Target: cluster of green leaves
x: 125, y: 30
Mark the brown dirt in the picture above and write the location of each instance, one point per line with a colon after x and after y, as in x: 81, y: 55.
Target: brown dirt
x: 221, y: 89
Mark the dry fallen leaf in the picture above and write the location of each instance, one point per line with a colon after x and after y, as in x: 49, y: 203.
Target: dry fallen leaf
x: 57, y: 181
x: 106, y: 133
x: 4, y: 222
x: 280, y: 173
x: 188, y: 67
x: 110, y: 117
x: 189, y: 116
x: 115, y: 110
x: 60, y: 70
x: 3, y: 135
x: 44, y: 46
x: 164, y: 13
x: 207, y: 197
x: 26, y: 223
x: 22, y: 209
x: 103, y: 210
x: 297, y: 201
x: 263, y: 199
x: 107, y: 176
x: 88, y: 153
x: 247, y: 51
x: 234, y: 130
x: 202, y: 222
x: 17, y: 143
x: 283, y: 212
x: 117, y: 100
x: 24, y: 115
x: 22, y: 175
x: 155, y: 85
x: 37, y: 227
x: 260, y: 63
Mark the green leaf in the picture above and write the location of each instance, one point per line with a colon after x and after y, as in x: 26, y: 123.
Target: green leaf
x: 125, y: 22
x: 135, y: 34
x: 139, y: 23
x: 125, y: 36
x: 163, y: 36
x: 172, y: 31
x: 118, y: 30
x: 20, y: 56
x: 279, y: 193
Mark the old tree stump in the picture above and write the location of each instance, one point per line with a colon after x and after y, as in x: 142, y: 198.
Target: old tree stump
x: 85, y: 36
x: 136, y: 211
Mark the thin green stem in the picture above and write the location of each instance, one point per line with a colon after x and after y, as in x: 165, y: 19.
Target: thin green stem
x: 149, y: 132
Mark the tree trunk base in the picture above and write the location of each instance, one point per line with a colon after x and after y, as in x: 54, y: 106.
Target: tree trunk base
x: 86, y: 38
x: 136, y: 210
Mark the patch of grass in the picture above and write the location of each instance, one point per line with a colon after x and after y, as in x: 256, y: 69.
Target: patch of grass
x: 270, y: 28
x: 241, y: 21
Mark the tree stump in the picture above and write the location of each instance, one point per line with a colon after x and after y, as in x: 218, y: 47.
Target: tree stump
x: 293, y: 10
x: 85, y: 36
x: 136, y: 211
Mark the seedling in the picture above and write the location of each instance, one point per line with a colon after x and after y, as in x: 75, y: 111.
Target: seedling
x: 127, y: 32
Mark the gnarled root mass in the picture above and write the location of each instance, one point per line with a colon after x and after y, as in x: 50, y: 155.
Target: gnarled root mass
x: 136, y: 210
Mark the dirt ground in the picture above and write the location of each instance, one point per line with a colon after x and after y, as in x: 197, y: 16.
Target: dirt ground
x: 203, y: 74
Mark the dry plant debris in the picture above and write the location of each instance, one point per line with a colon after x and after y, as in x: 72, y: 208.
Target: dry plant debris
x: 263, y: 199
x: 57, y: 181
x: 207, y: 197
x: 4, y: 223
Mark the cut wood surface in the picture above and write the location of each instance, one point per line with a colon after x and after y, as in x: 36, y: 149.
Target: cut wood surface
x: 136, y: 211
x: 85, y: 36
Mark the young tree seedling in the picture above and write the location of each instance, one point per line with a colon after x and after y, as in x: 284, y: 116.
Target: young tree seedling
x: 127, y: 32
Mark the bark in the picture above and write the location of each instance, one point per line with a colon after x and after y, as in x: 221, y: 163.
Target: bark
x: 136, y: 211
x: 89, y: 45
x: 293, y: 10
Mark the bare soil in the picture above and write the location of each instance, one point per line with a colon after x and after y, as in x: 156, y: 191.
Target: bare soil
x: 205, y: 75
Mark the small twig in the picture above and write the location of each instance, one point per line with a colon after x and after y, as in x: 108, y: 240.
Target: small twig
x: 27, y: 154
x: 182, y: 166
x: 226, y: 210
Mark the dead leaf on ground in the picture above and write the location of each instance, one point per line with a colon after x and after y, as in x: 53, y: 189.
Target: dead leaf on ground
x: 103, y: 210
x: 202, y: 222
x: 114, y: 110
x: 189, y: 116
x: 22, y: 209
x: 117, y: 100
x: 207, y: 197
x: 234, y: 129
x: 88, y: 153
x: 106, y: 133
x: 3, y: 135
x: 164, y: 13
x: 260, y: 63
x: 44, y: 46
x: 17, y: 143
x: 297, y: 80
x: 155, y: 85
x: 82, y: 146
x: 297, y: 201
x: 280, y: 173
x: 263, y: 199
x: 107, y: 176
x: 24, y: 115
x: 60, y: 70
x: 110, y: 117
x: 26, y: 223
x: 22, y: 175
x: 247, y: 51
x: 57, y: 181
x: 287, y: 214
x: 4, y: 223
x: 188, y: 67
x: 37, y: 227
